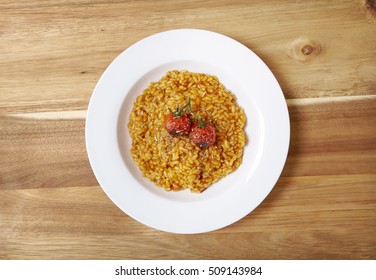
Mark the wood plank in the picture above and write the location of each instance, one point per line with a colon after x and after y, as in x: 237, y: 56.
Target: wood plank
x: 52, y: 55
x: 292, y: 222
x: 327, y: 138
x: 334, y: 136
x: 39, y: 153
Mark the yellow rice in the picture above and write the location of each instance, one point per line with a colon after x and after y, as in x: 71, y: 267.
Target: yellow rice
x: 175, y: 163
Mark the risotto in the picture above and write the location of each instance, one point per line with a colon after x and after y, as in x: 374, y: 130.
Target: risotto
x: 176, y: 163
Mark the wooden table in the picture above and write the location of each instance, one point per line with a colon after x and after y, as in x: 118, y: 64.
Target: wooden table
x: 323, y: 53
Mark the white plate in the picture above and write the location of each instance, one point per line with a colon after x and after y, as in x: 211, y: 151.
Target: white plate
x: 243, y: 73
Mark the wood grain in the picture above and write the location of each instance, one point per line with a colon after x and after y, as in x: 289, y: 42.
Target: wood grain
x: 292, y: 221
x: 324, y: 56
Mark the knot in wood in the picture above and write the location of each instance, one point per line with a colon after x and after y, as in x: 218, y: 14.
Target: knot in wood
x: 304, y: 49
x: 307, y: 49
x: 371, y: 6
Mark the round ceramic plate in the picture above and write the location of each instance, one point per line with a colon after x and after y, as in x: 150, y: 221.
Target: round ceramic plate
x: 257, y: 92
